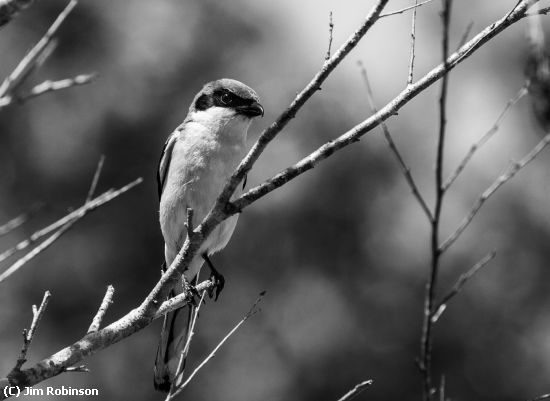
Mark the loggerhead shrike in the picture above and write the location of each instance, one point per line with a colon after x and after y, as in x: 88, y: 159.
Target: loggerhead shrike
x: 197, y: 160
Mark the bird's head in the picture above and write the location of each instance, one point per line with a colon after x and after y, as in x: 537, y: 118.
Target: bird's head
x: 227, y: 96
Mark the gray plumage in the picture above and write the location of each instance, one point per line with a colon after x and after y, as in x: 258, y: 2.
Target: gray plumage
x: 197, y: 159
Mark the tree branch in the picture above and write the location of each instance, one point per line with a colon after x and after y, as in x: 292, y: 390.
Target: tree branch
x: 330, y: 30
x: 18, y: 75
x: 413, y: 43
x: 18, y: 221
x: 145, y: 313
x: 404, y: 168
x: 541, y: 397
x: 107, y: 301
x: 29, y: 335
x: 401, y: 11
x: 73, y: 216
x: 356, y: 390
x: 493, y: 130
x: 48, y: 86
x: 431, y: 285
x: 464, y: 277
x: 508, y: 174
x: 253, y: 310
x: 355, y: 133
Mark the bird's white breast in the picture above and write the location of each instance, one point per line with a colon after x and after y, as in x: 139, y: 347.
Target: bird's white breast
x: 209, y: 147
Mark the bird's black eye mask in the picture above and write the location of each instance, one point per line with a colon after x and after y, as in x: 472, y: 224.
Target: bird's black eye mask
x: 221, y: 98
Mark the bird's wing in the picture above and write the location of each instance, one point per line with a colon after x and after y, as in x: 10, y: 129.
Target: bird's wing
x: 164, y: 162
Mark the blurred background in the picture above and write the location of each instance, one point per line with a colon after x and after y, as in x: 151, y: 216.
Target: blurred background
x: 343, y: 251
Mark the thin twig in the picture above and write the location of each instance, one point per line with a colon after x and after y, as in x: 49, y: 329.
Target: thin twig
x: 541, y: 397
x: 465, y: 35
x: 29, y: 335
x: 509, y: 173
x: 48, y: 86
x: 146, y: 312
x: 222, y: 208
x: 78, y: 369
x: 413, y: 43
x: 401, y: 11
x: 464, y: 277
x: 18, y: 221
x: 493, y: 130
x: 179, y: 371
x: 95, y: 180
x: 249, y: 314
x: 180, y: 300
x: 356, y: 390
x: 98, y: 318
x: 192, y: 326
x: 18, y: 75
x: 513, y: 9
x: 288, y: 114
x: 404, y: 168
x: 330, y: 30
x: 431, y: 285
x: 442, y: 388
x: 353, y: 135
x: 36, y: 251
x: 79, y: 213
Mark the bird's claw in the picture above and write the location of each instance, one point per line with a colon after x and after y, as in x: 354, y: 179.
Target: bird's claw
x: 218, y: 282
x: 192, y: 295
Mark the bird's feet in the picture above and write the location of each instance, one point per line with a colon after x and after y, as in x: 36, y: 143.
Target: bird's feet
x: 216, y: 277
x: 191, y: 293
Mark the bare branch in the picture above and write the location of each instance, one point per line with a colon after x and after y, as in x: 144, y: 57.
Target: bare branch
x: 464, y: 277
x: 404, y: 168
x: 219, y: 211
x: 36, y: 251
x: 541, y: 397
x: 356, y: 390
x: 20, y: 220
x: 312, y: 87
x: 401, y: 11
x: 493, y: 130
x: 10, y: 8
x: 78, y: 369
x: 413, y: 43
x: 145, y: 313
x: 465, y: 34
x: 107, y: 301
x: 180, y: 300
x: 48, y: 86
x: 76, y: 215
x: 253, y: 310
x: 330, y: 30
x: 354, y: 134
x: 29, y: 335
x: 431, y: 285
x: 14, y: 80
x: 95, y: 180
x: 509, y: 173
x: 191, y: 332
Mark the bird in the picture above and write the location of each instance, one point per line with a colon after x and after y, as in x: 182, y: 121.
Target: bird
x: 195, y: 164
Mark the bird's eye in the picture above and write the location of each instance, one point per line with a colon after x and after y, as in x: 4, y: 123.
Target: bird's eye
x: 226, y: 98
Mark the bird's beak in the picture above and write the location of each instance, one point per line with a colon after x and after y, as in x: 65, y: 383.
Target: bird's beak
x: 252, y: 110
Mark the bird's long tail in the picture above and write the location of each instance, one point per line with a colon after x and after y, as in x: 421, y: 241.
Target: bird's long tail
x: 172, y: 342
x: 173, y: 338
